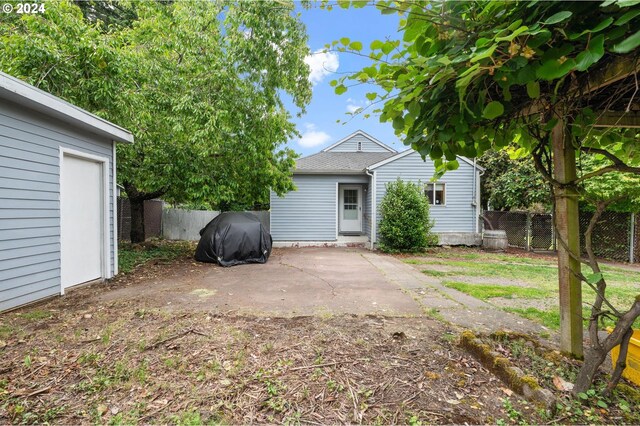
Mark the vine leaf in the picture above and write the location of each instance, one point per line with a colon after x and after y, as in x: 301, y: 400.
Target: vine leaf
x: 628, y: 44
x: 558, y: 17
x: 594, y: 52
x: 493, y: 110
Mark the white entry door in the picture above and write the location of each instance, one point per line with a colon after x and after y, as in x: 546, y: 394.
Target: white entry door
x: 350, y: 212
x: 81, y: 220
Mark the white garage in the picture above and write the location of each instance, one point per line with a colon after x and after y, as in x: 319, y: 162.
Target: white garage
x: 57, y: 194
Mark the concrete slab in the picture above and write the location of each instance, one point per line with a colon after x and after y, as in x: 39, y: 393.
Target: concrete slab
x: 302, y: 281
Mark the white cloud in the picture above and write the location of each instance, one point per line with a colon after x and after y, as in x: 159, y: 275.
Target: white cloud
x: 321, y: 64
x: 312, y: 137
x: 355, y: 105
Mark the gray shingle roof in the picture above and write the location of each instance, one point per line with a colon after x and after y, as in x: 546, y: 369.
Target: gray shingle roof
x: 324, y: 162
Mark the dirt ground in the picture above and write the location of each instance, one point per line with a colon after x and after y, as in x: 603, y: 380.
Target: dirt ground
x: 89, y: 358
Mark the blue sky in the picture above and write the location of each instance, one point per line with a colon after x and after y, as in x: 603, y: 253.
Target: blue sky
x: 318, y: 126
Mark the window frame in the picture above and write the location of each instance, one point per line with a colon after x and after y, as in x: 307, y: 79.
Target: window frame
x: 359, y: 146
x: 444, y: 193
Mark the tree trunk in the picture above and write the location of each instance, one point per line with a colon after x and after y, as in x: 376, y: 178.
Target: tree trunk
x: 137, y: 220
x: 136, y: 200
x: 592, y: 362
x: 568, y: 227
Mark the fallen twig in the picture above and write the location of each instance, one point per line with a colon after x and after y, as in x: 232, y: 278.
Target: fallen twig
x: 328, y: 364
x: 175, y: 336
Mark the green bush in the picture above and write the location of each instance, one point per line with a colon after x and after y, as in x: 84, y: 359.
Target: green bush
x: 405, y: 224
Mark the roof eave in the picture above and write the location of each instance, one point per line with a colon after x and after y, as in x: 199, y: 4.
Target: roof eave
x: 328, y: 172
x: 409, y: 151
x: 17, y: 91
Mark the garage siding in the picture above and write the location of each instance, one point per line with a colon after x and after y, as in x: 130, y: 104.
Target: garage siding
x: 309, y: 213
x: 458, y: 214
x: 30, y: 201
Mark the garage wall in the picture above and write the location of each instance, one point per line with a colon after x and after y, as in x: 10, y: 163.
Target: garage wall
x: 30, y: 201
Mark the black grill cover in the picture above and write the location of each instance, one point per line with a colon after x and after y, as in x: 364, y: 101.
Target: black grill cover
x: 234, y: 238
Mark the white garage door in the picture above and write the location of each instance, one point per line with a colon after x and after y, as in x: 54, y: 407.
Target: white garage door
x: 81, y: 220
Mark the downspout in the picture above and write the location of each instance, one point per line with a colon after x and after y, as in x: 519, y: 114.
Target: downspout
x: 476, y: 196
x: 373, y: 226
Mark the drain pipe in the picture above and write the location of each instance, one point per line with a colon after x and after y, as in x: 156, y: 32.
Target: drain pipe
x: 475, y: 198
x: 373, y: 208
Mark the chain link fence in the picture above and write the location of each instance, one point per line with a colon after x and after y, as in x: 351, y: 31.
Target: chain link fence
x: 616, y: 236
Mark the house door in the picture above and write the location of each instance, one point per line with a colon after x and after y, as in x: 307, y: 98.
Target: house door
x: 350, y: 212
x: 81, y: 219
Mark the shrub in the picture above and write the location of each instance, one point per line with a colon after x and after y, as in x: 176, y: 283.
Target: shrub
x: 405, y: 224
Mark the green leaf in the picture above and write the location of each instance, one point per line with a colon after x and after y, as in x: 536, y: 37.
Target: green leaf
x: 344, y: 4
x: 627, y: 17
x: 387, y: 47
x: 398, y: 123
x: 594, y: 278
x: 356, y: 45
x: 583, y: 395
x: 481, y: 42
x: 340, y: 89
x: 533, y: 89
x: 628, y: 44
x: 550, y: 125
x: 345, y: 40
x: 376, y: 44
x: 558, y: 17
x: 513, y: 35
x: 602, y: 404
x: 553, y: 69
x: 627, y: 3
x: 358, y: 4
x: 595, y: 51
x: 484, y: 54
x: 444, y: 60
x: 333, y: 83
x: 371, y: 96
x: 493, y: 110
x: 452, y: 165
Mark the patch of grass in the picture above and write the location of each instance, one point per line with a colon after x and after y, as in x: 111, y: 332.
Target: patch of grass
x: 36, y: 315
x: 132, y: 255
x: 187, y: 418
x: 433, y: 273
x: 5, y: 331
x: 622, y: 284
x: 550, y: 319
x: 486, y: 292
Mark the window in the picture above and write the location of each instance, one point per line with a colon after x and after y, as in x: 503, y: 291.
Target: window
x: 435, y: 193
x: 359, y: 146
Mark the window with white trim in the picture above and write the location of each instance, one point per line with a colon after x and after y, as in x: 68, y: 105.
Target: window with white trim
x: 435, y: 193
x: 359, y: 146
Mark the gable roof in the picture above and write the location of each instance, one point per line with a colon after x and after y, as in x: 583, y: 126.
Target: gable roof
x: 411, y: 150
x: 339, y: 162
x: 15, y: 90
x: 363, y: 134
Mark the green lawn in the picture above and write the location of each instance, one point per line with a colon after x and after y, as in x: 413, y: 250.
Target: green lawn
x: 524, y: 278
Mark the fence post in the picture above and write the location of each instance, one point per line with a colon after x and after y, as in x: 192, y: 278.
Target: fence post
x: 632, y: 238
x: 528, y: 233
x: 553, y: 232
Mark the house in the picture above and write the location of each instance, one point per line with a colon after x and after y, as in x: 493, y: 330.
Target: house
x: 57, y: 194
x: 339, y: 190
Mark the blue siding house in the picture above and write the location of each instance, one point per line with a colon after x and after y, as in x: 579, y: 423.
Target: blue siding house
x: 57, y: 194
x: 339, y: 191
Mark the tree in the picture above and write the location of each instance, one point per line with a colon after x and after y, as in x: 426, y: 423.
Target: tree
x: 200, y: 84
x: 470, y: 77
x: 512, y: 184
x: 405, y: 224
